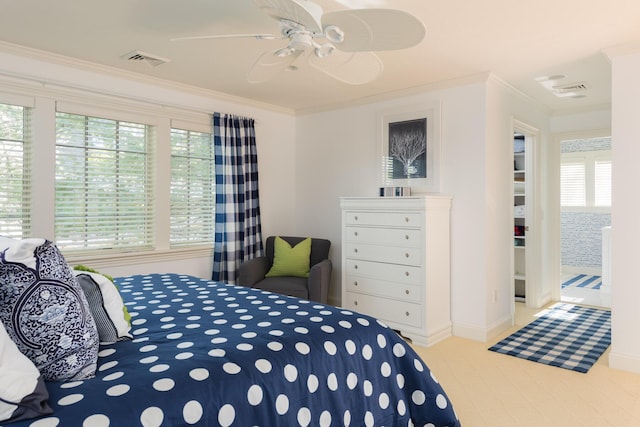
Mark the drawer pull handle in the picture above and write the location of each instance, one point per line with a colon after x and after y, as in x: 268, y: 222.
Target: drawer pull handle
x: 355, y: 283
x: 355, y: 233
x: 406, y: 237
x: 355, y: 303
x: 406, y: 219
x: 355, y: 250
x: 406, y: 313
x: 406, y: 291
x: 406, y: 255
x: 406, y: 273
x: 355, y: 266
x: 355, y: 218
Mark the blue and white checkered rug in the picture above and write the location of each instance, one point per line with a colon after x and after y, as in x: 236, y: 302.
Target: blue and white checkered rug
x: 583, y: 281
x: 565, y: 335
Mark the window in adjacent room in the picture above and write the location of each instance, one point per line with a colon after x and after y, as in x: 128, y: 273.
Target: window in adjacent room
x: 14, y: 171
x: 585, y: 179
x: 192, y: 188
x: 602, y: 182
x: 572, y: 183
x: 103, y: 188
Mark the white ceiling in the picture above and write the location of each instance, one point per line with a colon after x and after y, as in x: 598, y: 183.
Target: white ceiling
x: 517, y: 40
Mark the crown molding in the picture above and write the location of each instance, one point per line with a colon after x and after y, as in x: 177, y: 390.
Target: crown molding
x: 622, y: 50
x: 112, y: 72
x: 387, y: 96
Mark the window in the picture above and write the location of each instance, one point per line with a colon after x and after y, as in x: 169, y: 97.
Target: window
x: 585, y: 179
x: 14, y: 171
x: 602, y: 183
x: 103, y: 187
x: 572, y: 188
x: 192, y: 188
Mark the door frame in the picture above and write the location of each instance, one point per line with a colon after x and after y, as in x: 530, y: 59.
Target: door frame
x: 555, y: 271
x: 534, y: 295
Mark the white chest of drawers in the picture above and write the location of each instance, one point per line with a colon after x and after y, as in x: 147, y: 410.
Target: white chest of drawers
x: 395, y: 263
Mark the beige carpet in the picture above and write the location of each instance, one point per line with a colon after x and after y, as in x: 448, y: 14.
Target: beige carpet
x: 489, y: 389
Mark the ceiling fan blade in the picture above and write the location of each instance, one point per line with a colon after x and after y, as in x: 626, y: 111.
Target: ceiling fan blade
x: 354, y: 68
x: 368, y: 30
x: 228, y: 36
x: 303, y: 12
x: 269, y: 65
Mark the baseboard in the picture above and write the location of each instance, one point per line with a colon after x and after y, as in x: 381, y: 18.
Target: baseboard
x: 624, y: 362
x: 482, y: 334
x: 468, y: 332
x: 500, y: 327
x: 593, y: 271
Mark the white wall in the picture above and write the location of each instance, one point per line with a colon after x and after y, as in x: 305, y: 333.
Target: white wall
x: 464, y: 153
x: 507, y: 108
x: 338, y: 155
x: 625, y: 213
x: 580, y: 121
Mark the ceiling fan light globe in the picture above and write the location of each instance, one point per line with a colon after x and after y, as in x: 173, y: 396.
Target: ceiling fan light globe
x: 334, y: 34
x: 324, y: 50
x: 285, y: 51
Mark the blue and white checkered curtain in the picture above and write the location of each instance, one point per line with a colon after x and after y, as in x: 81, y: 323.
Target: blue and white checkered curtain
x: 238, y: 229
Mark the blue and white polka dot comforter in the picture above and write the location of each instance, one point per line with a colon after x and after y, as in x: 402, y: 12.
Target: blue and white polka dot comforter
x: 212, y: 354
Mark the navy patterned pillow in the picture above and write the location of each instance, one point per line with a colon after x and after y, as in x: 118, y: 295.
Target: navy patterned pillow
x: 106, y: 305
x: 45, y: 311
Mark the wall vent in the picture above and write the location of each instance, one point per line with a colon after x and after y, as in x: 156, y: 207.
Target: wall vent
x: 570, y: 89
x: 139, y: 56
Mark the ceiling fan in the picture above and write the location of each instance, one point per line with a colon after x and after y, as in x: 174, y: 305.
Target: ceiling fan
x: 339, y: 43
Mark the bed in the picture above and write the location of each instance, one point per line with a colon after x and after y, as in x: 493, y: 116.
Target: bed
x: 213, y: 354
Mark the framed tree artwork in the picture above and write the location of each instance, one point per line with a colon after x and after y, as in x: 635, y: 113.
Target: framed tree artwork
x: 410, y: 148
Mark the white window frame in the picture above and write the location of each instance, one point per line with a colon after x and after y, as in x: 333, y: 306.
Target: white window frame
x: 20, y: 216
x: 44, y: 103
x: 201, y: 209
x: 589, y: 159
x: 95, y: 221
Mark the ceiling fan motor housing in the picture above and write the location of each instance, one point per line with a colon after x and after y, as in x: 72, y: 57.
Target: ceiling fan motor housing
x: 301, y: 40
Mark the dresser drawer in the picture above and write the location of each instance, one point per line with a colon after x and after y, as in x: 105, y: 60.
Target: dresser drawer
x: 382, y: 288
x: 384, y: 219
x: 407, y: 237
x: 400, y: 312
x: 402, y: 274
x: 386, y: 254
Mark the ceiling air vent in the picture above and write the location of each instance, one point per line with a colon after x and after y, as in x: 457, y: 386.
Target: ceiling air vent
x: 139, y: 56
x: 570, y: 89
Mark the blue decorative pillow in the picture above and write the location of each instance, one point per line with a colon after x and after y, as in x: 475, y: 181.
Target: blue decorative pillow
x: 45, y: 311
x: 106, y: 305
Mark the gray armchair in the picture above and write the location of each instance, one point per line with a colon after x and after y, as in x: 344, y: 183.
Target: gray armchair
x: 314, y: 288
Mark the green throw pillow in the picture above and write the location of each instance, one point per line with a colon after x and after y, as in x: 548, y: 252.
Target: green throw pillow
x: 290, y: 261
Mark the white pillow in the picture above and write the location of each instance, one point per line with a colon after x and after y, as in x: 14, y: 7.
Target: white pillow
x: 20, y: 383
x: 106, y: 306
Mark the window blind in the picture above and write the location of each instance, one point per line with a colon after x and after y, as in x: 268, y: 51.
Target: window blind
x: 15, y: 193
x: 103, y: 184
x: 192, y: 188
x: 572, y: 184
x: 602, y: 183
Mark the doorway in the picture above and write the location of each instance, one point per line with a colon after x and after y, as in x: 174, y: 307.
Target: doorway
x: 585, y: 219
x: 526, y: 260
